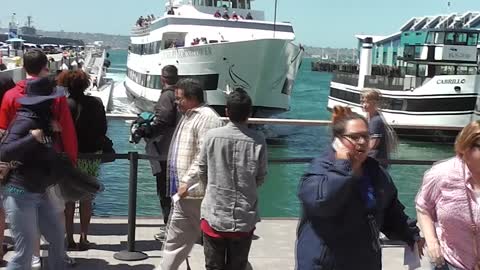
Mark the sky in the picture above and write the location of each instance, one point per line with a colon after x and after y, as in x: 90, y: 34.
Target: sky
x: 319, y: 23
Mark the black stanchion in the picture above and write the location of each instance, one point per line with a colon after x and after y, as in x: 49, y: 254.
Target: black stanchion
x: 131, y: 254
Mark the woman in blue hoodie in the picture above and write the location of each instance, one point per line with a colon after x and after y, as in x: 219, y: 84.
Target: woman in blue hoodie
x: 29, y: 140
x: 347, y: 199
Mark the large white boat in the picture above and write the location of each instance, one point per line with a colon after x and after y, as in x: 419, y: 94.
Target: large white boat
x: 254, y: 54
x: 428, y: 75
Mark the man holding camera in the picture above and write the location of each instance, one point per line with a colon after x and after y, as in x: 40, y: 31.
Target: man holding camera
x: 158, y: 136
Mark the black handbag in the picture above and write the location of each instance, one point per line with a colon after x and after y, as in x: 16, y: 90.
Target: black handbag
x: 6, y: 167
x: 107, y: 150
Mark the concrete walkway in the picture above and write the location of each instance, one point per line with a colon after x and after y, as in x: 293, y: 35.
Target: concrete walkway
x: 272, y: 250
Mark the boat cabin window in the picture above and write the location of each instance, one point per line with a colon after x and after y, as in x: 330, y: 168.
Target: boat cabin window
x: 411, y: 69
x: 174, y: 40
x: 242, y: 4
x: 445, y: 70
x: 430, y: 38
x: 461, y: 38
x: 463, y: 70
x: 453, y: 38
x: 472, y: 39
x: 435, y: 38
x: 145, y: 49
x: 450, y: 39
x: 439, y: 37
x: 422, y: 70
x: 220, y: 3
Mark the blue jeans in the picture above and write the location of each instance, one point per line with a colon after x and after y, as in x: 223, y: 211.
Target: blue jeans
x: 27, y: 213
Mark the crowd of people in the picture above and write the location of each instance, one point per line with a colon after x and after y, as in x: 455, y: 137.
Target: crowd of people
x: 145, y: 21
x: 38, y: 181
x: 234, y: 15
x: 199, y: 41
x: 208, y: 173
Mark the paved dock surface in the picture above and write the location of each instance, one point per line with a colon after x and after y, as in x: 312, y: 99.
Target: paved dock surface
x: 272, y: 249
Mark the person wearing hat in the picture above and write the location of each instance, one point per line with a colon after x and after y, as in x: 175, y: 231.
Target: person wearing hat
x: 35, y: 64
x: 29, y: 140
x: 235, y: 16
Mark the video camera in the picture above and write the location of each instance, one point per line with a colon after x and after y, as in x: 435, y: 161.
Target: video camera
x: 141, y: 127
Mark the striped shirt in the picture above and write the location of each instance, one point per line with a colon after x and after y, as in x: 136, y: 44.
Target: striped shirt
x: 184, y: 152
x: 443, y: 196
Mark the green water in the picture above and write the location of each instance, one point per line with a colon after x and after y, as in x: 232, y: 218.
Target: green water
x: 278, y: 194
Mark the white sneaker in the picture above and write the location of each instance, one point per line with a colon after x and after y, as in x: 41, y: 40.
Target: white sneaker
x: 36, y: 262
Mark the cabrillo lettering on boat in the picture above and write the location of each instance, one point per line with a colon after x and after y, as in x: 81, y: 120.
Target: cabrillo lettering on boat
x: 459, y: 55
x: 452, y: 81
x: 184, y: 52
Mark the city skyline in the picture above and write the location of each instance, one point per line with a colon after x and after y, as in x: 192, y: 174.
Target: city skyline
x: 332, y: 24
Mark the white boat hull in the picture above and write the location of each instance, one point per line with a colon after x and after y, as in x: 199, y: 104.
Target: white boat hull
x: 435, y: 104
x: 266, y: 68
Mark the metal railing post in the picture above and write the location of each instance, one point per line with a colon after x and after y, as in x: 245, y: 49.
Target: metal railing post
x: 131, y: 254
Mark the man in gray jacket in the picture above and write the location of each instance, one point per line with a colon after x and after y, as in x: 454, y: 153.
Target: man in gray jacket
x: 159, y: 136
x: 233, y: 164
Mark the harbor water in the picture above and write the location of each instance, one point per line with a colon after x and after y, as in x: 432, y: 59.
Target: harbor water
x: 278, y: 194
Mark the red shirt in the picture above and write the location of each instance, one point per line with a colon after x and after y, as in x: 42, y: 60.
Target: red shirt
x: 215, y: 234
x: 61, y: 113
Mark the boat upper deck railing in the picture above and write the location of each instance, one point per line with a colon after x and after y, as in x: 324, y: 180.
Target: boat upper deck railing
x: 381, y: 82
x: 143, y: 30
x: 345, y: 78
x: 394, y: 83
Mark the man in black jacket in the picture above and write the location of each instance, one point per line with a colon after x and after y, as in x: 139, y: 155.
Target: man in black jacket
x: 159, y: 136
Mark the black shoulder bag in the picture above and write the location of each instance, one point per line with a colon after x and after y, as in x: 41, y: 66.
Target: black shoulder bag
x: 6, y: 167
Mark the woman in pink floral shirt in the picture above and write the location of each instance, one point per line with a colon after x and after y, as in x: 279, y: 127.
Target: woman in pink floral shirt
x: 448, y: 205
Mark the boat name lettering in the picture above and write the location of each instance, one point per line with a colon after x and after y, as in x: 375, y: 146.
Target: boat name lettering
x: 182, y: 53
x: 459, y: 55
x: 452, y: 81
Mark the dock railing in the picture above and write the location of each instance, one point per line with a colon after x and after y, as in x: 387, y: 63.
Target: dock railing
x: 131, y: 254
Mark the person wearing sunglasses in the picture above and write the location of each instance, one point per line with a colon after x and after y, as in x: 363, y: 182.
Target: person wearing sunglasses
x: 347, y: 199
x: 448, y: 205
